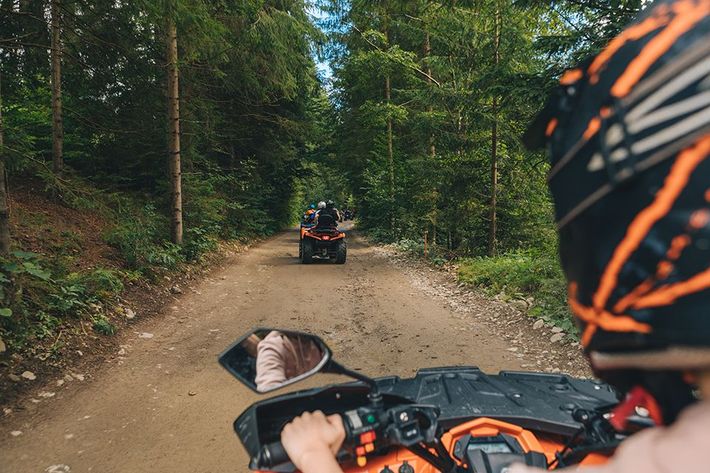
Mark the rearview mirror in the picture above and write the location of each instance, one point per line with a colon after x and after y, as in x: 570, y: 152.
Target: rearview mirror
x: 268, y: 359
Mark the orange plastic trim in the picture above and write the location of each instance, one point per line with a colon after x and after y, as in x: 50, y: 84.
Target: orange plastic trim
x: 485, y: 427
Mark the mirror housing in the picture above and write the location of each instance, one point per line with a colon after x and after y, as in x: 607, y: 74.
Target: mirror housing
x: 267, y: 359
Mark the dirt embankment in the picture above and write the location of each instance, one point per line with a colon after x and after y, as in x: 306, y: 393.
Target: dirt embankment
x: 74, y: 241
x: 160, y: 402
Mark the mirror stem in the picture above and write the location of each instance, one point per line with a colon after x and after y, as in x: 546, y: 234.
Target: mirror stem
x: 374, y: 396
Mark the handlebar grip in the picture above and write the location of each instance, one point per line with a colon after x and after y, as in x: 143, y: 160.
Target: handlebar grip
x: 272, y: 454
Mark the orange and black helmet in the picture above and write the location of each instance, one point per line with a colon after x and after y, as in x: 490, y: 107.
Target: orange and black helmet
x: 628, y: 133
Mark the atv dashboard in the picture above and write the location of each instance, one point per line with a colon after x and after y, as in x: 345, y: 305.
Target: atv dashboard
x: 536, y: 401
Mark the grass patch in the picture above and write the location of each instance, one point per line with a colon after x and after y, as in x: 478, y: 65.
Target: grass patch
x: 523, y: 274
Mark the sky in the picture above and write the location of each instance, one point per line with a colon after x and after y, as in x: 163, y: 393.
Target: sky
x: 325, y: 72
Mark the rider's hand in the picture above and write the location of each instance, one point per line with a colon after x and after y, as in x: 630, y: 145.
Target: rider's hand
x: 312, y: 441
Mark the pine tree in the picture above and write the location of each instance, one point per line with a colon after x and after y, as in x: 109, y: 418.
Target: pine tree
x: 57, y: 118
x: 5, y: 240
x: 174, y: 131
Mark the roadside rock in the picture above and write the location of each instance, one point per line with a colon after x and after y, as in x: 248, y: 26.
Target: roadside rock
x: 539, y: 323
x: 557, y: 337
x: 16, y: 433
x: 145, y: 335
x: 129, y: 314
x: 58, y: 469
x: 29, y: 375
x: 14, y: 377
x: 176, y: 290
x: 3, y: 348
x: 520, y: 305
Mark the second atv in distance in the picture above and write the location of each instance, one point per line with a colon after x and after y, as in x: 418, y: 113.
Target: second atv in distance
x: 323, y: 241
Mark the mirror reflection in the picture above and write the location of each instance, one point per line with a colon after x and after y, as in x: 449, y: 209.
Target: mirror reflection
x: 266, y: 359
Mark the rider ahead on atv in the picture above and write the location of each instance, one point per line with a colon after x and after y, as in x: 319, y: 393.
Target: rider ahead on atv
x: 328, y: 216
x: 310, y: 214
x: 629, y: 140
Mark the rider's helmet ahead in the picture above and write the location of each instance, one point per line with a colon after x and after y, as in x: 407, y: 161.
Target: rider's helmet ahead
x: 312, y: 206
x: 321, y: 205
x: 629, y: 139
x: 330, y: 204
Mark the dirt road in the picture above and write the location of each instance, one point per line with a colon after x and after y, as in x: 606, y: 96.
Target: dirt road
x: 164, y: 405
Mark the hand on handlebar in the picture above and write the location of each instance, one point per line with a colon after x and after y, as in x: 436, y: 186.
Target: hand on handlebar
x: 312, y: 440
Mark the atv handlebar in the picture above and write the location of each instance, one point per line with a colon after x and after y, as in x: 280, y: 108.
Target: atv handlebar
x: 369, y: 429
x: 271, y: 455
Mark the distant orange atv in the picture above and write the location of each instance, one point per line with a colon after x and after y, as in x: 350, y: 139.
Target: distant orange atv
x: 322, y: 241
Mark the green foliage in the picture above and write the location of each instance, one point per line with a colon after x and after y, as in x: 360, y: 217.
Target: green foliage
x: 456, y: 72
x: 34, y: 301
x: 140, y: 235
x: 102, y: 325
x: 66, y: 299
x: 446, y: 71
x: 431, y: 96
x: 99, y: 284
x: 249, y: 78
x: 416, y: 247
x: 199, y: 241
x: 519, y: 275
x: 249, y: 90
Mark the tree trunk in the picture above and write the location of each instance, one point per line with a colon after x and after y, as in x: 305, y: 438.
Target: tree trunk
x: 174, y: 133
x: 57, y: 125
x: 390, y: 138
x: 432, y: 146
x: 390, y: 145
x: 427, y: 54
x: 4, y: 206
x: 493, y: 213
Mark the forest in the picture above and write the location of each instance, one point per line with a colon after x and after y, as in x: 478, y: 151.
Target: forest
x: 175, y: 125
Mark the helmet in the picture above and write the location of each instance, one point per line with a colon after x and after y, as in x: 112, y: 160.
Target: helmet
x: 629, y: 139
x: 321, y: 205
x: 330, y: 204
x: 312, y: 206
